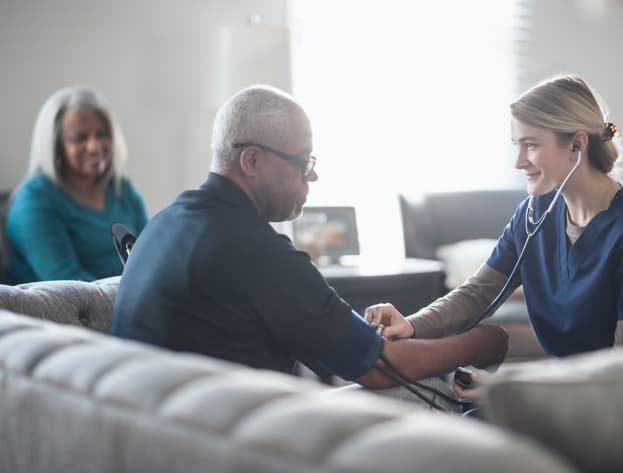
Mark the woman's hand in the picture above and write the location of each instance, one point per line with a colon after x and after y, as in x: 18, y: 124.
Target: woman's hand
x: 474, y: 392
x: 396, y: 326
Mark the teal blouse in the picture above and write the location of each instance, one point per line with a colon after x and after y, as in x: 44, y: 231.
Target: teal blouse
x: 54, y: 237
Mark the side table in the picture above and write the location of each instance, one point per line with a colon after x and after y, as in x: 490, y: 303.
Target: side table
x: 409, y: 284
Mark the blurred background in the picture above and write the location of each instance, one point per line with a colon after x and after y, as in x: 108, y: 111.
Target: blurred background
x: 404, y: 96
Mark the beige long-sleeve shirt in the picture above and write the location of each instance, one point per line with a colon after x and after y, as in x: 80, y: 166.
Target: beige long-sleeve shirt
x: 450, y: 313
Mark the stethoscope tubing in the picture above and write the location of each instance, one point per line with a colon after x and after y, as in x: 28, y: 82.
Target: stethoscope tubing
x: 536, y: 226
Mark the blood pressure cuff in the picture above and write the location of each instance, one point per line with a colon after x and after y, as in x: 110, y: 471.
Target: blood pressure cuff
x: 355, y: 355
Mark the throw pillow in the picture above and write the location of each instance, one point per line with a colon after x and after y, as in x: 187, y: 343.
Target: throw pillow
x: 571, y: 405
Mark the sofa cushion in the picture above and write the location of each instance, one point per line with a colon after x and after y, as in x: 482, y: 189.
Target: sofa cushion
x: 463, y: 258
x: 68, y: 302
x: 74, y: 401
x: 572, y: 405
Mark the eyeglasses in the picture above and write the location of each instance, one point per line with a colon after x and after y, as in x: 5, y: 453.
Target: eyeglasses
x: 306, y: 165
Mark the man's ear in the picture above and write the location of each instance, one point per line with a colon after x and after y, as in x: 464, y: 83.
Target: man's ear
x: 249, y: 161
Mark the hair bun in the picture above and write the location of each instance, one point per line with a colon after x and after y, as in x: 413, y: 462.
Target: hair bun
x: 610, y: 130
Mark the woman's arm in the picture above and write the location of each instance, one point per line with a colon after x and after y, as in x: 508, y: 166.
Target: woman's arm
x: 447, y: 315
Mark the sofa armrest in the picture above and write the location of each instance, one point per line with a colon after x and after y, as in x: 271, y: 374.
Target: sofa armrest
x: 86, y: 304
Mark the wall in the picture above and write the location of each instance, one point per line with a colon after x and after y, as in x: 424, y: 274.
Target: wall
x: 582, y: 37
x: 579, y: 36
x: 164, y: 67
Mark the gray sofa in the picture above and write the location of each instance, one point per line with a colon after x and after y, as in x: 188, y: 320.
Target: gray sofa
x: 79, y: 303
x: 459, y: 228
x: 74, y: 399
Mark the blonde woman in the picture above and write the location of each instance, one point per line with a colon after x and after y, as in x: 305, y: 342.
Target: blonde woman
x: 572, y: 272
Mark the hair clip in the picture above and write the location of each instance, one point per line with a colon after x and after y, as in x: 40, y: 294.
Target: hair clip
x: 610, y: 130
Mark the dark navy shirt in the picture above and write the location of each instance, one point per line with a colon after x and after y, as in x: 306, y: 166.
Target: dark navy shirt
x: 209, y: 275
x: 574, y: 295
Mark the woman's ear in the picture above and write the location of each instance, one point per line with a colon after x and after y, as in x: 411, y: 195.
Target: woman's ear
x: 580, y: 141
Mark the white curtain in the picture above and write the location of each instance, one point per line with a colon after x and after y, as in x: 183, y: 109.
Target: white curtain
x: 405, y: 96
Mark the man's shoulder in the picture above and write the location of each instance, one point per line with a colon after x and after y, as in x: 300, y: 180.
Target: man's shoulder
x: 211, y: 219
x: 616, y: 206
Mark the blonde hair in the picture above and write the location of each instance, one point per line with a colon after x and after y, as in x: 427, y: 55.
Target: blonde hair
x: 46, y: 148
x: 565, y: 105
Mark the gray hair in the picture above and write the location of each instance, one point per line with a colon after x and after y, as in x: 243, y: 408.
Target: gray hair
x: 46, y: 138
x: 258, y: 114
x: 565, y: 105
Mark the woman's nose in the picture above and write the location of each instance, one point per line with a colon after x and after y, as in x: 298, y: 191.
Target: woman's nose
x: 521, y: 161
x: 94, y: 144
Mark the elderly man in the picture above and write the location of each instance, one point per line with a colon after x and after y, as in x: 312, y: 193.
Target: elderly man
x: 210, y: 275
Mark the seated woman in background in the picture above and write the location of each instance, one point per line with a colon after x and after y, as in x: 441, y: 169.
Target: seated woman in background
x: 59, y: 218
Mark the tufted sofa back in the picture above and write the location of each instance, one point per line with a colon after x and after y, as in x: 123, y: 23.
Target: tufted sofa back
x: 86, y: 304
x: 439, y: 218
x: 73, y: 400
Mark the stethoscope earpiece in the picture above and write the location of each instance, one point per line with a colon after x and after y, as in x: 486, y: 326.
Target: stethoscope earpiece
x: 530, y: 210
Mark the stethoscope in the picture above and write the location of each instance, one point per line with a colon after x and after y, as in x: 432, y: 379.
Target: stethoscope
x: 532, y: 228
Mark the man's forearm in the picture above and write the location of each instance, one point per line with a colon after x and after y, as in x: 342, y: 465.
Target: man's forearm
x: 483, y: 346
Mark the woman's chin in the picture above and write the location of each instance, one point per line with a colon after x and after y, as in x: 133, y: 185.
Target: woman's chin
x: 538, y: 190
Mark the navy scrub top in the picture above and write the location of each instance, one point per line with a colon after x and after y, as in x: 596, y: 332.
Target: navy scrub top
x: 574, y: 295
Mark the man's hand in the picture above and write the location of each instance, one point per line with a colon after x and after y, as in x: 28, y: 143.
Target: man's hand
x: 396, y: 326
